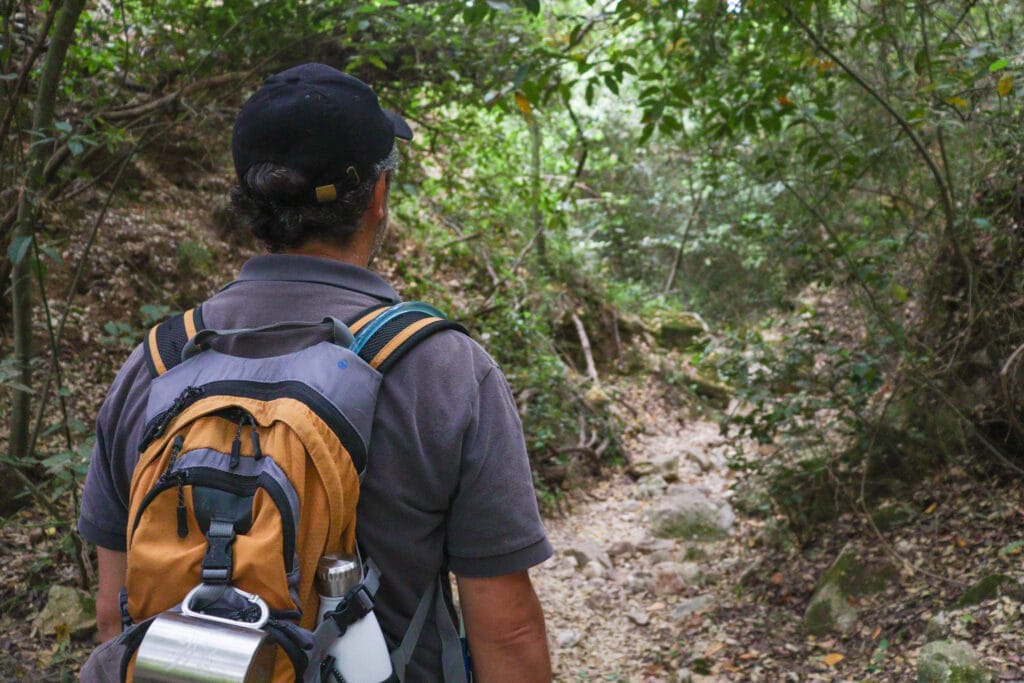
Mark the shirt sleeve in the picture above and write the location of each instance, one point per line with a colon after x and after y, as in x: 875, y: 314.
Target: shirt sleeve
x: 103, y: 519
x: 494, y: 526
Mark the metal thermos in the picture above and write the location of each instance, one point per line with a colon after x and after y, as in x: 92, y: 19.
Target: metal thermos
x: 193, y: 647
x: 361, y: 653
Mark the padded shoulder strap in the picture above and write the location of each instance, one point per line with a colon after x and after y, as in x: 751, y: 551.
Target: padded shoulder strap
x: 165, y: 340
x: 384, y: 333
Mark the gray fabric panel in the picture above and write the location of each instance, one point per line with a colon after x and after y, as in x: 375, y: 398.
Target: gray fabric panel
x: 334, y: 372
x: 247, y: 467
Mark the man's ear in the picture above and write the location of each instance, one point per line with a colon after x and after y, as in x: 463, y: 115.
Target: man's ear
x: 379, y: 198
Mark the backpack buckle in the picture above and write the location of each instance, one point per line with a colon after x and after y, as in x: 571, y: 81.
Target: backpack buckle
x: 353, y: 607
x: 218, y: 562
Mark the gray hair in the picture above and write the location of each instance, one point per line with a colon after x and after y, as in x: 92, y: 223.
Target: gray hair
x: 272, y: 201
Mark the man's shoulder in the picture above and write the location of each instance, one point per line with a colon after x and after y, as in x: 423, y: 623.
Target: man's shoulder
x: 449, y: 353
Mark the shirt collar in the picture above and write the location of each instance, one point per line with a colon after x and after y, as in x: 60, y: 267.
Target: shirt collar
x: 315, y: 269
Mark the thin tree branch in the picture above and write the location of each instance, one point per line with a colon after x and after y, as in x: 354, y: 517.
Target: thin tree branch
x: 944, y: 196
x: 26, y: 68
x: 587, y: 353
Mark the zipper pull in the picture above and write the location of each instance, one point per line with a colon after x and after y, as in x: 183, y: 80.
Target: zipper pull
x: 176, y: 446
x: 181, y: 510
x: 257, y: 452
x: 236, y: 445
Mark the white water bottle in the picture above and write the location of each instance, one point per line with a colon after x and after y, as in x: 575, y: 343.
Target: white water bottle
x: 360, y: 654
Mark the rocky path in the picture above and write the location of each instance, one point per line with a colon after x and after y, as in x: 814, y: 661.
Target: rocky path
x: 636, y: 560
x: 656, y: 580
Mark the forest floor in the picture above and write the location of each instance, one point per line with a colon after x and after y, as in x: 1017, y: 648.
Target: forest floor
x: 738, y: 613
x: 735, y: 609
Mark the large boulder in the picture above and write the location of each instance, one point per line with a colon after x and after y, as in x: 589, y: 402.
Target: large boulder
x: 68, y: 611
x: 681, y: 330
x: 949, y: 661
x: 689, y: 514
x: 849, y: 576
x: 989, y: 587
x: 829, y: 611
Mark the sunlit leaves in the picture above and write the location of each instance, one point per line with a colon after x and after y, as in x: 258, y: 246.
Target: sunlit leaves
x: 1005, y: 85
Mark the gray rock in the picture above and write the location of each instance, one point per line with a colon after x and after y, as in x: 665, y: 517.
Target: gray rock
x: 848, y: 576
x: 702, y: 460
x: 639, y: 618
x: 650, y: 486
x: 594, y: 570
x: 937, y: 627
x: 667, y: 465
x: 828, y: 611
x: 67, y: 608
x: 697, y: 604
x: 640, y: 469
x: 681, y: 330
x: 989, y: 587
x: 688, y: 513
x: 567, y: 638
x: 652, y: 545
x: 621, y: 549
x: 947, y: 661
x: 639, y: 582
x: 672, y: 578
x: 586, y: 552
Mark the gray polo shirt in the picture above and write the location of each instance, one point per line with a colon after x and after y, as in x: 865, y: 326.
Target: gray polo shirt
x: 448, y: 483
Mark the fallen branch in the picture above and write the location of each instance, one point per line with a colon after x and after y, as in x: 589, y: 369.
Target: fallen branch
x: 587, y: 354
x: 136, y: 111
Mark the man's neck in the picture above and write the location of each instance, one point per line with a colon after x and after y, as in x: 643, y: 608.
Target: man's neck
x: 332, y: 251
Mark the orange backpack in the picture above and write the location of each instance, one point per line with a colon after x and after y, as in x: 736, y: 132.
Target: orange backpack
x: 249, y: 471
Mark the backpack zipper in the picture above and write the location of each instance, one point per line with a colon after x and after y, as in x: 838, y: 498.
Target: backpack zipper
x: 236, y: 445
x: 233, y: 483
x: 160, y: 423
x: 176, y: 446
x: 181, y: 510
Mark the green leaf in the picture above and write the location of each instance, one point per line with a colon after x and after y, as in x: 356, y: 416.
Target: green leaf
x: 76, y: 147
x: 55, y: 461
x: 611, y: 83
x: 18, y: 248
x: 533, y: 6
x: 474, y: 13
x: 52, y: 253
x: 520, y: 76
x: 998, y: 65
x: 17, y: 386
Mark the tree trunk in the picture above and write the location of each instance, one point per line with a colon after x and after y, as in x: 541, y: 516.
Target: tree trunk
x: 24, y: 230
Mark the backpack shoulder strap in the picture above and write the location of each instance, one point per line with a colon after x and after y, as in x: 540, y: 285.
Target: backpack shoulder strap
x: 165, y: 340
x: 383, y: 334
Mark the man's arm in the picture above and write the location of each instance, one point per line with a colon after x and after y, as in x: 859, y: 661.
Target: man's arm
x: 505, y: 629
x: 113, y: 565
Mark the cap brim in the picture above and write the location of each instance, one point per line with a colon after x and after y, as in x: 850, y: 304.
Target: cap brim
x: 402, y: 129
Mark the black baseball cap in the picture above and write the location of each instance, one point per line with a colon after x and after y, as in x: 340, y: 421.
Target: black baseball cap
x: 319, y: 121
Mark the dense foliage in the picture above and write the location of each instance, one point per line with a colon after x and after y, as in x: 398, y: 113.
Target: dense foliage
x: 833, y: 185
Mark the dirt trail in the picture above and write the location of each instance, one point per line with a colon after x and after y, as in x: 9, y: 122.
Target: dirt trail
x: 623, y: 622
